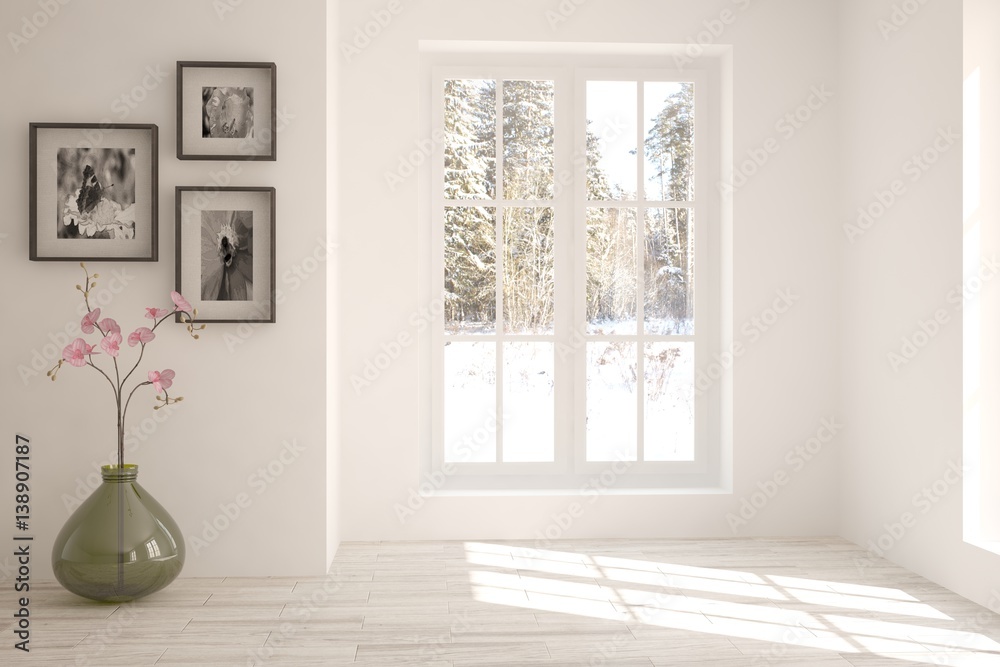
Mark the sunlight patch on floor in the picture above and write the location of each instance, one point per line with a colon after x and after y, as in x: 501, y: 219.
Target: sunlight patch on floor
x: 837, y: 616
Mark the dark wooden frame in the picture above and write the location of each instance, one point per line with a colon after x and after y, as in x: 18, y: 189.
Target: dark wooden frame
x: 181, y: 64
x: 178, y: 194
x: 33, y: 129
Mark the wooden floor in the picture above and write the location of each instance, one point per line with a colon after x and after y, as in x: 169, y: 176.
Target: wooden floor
x: 731, y: 603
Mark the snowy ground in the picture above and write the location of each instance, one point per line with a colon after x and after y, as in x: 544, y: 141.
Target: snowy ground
x: 528, y: 401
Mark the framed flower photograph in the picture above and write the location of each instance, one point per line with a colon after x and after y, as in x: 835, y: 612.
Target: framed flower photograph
x: 226, y: 110
x: 92, y: 192
x: 225, y: 252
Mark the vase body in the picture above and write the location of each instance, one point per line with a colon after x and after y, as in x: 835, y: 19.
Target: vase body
x: 120, y: 544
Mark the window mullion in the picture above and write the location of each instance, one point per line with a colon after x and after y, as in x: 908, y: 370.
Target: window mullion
x: 564, y: 374
x: 579, y: 255
x: 498, y: 263
x: 640, y: 290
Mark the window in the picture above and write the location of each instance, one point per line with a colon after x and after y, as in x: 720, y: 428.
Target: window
x: 571, y: 240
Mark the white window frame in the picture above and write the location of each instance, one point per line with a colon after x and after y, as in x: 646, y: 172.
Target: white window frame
x: 570, y: 470
x: 704, y: 320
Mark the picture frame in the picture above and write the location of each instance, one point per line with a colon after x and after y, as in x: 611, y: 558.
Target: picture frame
x: 226, y: 110
x: 93, y: 192
x: 225, y: 264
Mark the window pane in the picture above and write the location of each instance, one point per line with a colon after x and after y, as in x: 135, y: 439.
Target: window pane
x: 669, y: 271
x: 528, y: 270
x: 470, y: 270
x: 612, y: 155
x: 470, y: 396
x: 669, y: 402
x: 611, y: 271
x: 470, y: 138
x: 669, y: 144
x: 528, y: 130
x: 528, y: 402
x: 611, y: 402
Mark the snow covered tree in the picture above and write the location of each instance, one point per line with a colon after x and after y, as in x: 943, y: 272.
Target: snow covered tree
x: 469, y: 231
x: 669, y: 233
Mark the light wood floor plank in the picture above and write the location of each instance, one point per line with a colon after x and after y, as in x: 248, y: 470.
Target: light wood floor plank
x: 727, y: 603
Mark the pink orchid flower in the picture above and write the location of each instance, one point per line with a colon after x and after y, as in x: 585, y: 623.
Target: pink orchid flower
x: 108, y: 325
x: 156, y: 313
x: 181, y: 302
x: 112, y: 343
x: 141, y: 335
x: 76, y: 352
x: 88, y: 321
x: 161, y: 379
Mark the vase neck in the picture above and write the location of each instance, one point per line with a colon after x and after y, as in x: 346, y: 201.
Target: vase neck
x: 119, y: 474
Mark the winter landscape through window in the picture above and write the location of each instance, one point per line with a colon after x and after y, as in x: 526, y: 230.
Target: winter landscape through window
x: 566, y: 222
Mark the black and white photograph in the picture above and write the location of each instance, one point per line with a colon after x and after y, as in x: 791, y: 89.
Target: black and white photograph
x: 93, y: 191
x: 225, y: 262
x: 96, y: 193
x: 227, y: 255
x: 226, y: 110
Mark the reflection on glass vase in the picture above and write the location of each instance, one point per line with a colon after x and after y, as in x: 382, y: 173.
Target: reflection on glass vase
x: 120, y: 544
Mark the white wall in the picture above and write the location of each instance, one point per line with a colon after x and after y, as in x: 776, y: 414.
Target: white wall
x: 904, y: 424
x: 786, y: 237
x: 243, y: 399
x: 333, y: 322
x: 981, y: 319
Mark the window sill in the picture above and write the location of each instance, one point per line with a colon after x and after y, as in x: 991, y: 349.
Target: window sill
x: 584, y: 492
x: 986, y: 545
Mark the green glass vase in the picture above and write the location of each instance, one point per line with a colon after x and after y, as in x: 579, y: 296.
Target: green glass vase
x: 120, y: 544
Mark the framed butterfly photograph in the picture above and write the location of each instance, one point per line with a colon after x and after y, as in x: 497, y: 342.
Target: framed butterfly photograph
x: 226, y: 110
x: 225, y: 252
x: 93, y: 192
